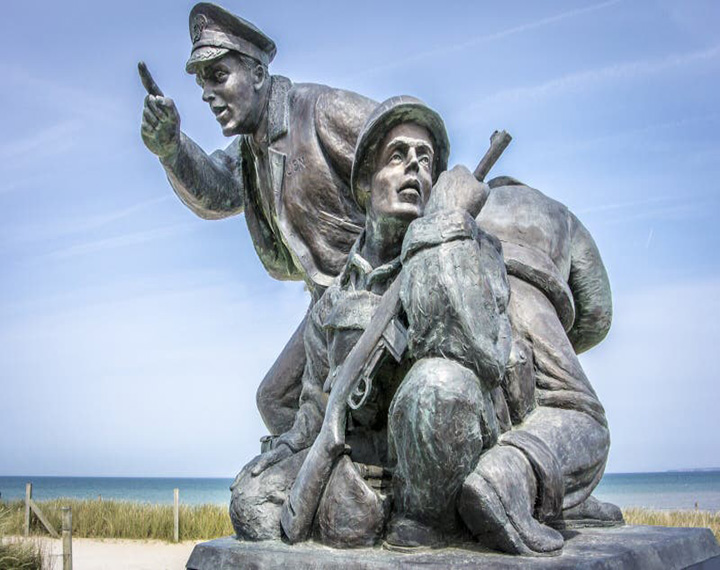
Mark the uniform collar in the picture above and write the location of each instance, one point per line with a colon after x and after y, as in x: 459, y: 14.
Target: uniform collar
x: 278, y: 107
x: 277, y: 115
x: 359, y: 274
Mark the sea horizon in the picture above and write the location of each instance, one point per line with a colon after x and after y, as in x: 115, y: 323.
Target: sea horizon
x: 673, y: 489
x: 677, y: 470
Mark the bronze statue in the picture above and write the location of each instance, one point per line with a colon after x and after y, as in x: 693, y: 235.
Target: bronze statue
x: 432, y: 395
x: 288, y: 168
x: 427, y: 414
x: 467, y: 413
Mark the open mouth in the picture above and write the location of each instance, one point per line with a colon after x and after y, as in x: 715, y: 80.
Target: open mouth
x: 410, y: 191
x: 220, y: 113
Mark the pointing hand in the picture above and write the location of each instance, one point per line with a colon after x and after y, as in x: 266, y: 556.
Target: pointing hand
x: 160, y: 122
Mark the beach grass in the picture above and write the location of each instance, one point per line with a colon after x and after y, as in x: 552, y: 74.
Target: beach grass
x: 123, y: 519
x: 19, y: 555
x: 688, y: 518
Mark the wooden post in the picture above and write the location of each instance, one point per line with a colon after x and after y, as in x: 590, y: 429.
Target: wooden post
x: 176, y: 531
x: 28, y: 498
x: 43, y: 519
x: 67, y: 537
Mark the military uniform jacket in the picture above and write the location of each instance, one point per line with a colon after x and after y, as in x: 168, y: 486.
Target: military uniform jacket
x: 295, y: 190
x: 454, y: 297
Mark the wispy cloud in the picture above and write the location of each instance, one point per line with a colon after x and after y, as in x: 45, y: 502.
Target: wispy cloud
x: 657, y: 208
x: 105, y: 219
x: 52, y: 140
x: 78, y: 102
x: 680, y: 210
x: 445, y: 50
x: 629, y: 136
x: 125, y: 240
x: 627, y: 205
x: 649, y: 239
x: 17, y: 183
x: 57, y: 229
x: 631, y: 70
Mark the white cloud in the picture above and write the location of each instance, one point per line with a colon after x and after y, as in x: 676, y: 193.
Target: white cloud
x: 125, y: 240
x: 631, y: 70
x: 101, y: 108
x: 56, y: 139
x: 446, y: 50
x: 629, y: 139
x: 52, y: 229
x: 630, y: 204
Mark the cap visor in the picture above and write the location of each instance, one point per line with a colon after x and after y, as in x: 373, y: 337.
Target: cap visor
x: 203, y: 56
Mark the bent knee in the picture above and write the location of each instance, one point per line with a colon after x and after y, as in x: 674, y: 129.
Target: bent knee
x: 438, y: 393
x: 441, y: 375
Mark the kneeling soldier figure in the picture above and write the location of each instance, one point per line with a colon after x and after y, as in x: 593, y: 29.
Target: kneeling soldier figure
x: 422, y: 414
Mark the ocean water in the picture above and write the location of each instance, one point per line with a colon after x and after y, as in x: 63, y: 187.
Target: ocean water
x: 668, y: 490
x: 156, y: 490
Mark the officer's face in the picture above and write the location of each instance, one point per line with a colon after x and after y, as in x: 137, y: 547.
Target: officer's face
x: 403, y: 173
x: 233, y: 91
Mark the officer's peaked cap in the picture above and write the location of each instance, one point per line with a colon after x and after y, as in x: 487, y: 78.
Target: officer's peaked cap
x: 214, y: 32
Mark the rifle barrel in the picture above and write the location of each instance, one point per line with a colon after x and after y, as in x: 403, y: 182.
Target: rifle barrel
x: 498, y: 143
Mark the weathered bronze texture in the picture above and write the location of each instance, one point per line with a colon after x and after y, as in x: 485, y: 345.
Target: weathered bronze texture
x: 432, y: 396
x: 287, y: 169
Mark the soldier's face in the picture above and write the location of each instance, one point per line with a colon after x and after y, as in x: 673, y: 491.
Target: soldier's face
x: 232, y: 89
x: 403, y: 173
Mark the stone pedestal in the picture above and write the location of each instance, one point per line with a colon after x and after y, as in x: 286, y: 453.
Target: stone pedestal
x: 626, y: 547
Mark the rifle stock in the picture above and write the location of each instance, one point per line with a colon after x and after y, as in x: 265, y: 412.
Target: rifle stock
x: 299, y: 509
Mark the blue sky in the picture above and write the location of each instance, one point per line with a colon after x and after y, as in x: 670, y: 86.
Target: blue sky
x: 133, y: 334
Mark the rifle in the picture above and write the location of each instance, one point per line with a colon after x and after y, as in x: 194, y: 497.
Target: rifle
x: 350, y: 388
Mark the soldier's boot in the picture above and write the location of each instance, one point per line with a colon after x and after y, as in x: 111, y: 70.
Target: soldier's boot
x: 497, y: 501
x: 591, y: 513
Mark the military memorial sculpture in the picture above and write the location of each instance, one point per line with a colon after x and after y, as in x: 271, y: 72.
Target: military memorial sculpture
x: 432, y: 397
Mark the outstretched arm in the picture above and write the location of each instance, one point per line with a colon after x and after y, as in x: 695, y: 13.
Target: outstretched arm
x: 211, y: 186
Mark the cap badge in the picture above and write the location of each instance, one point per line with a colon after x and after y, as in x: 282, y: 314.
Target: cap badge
x: 199, y: 24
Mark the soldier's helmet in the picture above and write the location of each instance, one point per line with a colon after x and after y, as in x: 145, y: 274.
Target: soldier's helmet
x: 390, y: 113
x: 214, y: 32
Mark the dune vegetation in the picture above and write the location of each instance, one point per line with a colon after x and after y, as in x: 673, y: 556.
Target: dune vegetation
x: 15, y: 554
x: 122, y: 519
x: 688, y: 518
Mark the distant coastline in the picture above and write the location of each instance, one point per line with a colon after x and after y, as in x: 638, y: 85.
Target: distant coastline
x: 180, y: 477
x: 686, y: 470
x: 665, y: 490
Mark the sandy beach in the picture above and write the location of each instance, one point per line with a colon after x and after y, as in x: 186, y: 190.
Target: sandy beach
x: 116, y: 554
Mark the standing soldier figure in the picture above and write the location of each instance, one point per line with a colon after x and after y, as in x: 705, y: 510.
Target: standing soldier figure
x: 288, y: 169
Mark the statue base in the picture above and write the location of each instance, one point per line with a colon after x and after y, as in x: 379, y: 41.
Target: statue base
x: 626, y: 547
